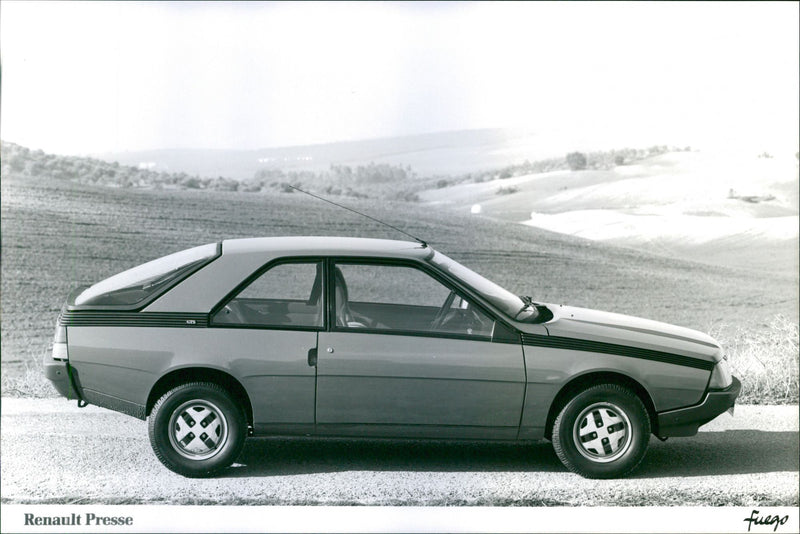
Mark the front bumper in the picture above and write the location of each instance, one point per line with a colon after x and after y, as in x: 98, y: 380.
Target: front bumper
x: 685, y: 421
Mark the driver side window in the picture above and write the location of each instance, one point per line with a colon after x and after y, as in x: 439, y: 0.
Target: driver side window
x: 402, y: 298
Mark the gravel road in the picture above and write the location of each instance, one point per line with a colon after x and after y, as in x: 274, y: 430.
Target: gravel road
x: 53, y: 452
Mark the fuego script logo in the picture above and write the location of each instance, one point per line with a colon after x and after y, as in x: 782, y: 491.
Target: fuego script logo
x: 769, y: 520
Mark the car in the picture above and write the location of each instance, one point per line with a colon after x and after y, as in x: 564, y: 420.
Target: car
x: 371, y: 338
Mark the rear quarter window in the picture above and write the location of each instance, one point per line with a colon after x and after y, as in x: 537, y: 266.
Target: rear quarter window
x: 144, y: 281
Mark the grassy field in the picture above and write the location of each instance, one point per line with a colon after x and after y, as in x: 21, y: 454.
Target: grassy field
x: 57, y: 234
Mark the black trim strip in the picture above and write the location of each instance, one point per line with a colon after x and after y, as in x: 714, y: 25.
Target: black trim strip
x: 115, y: 403
x: 419, y: 425
x: 152, y: 319
x: 437, y: 378
x: 567, y: 343
x: 284, y: 327
x: 411, y: 333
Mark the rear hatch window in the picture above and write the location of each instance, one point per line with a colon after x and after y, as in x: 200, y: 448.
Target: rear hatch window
x: 149, y: 279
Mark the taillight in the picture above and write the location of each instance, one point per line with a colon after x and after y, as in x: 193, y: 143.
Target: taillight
x: 60, y: 344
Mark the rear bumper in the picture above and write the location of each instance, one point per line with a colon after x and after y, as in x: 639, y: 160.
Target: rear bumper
x: 685, y: 421
x: 59, y: 373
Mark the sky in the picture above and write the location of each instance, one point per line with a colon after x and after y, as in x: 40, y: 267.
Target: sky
x: 83, y: 78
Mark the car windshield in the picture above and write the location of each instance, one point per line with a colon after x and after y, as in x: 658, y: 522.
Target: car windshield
x: 135, y: 285
x: 506, y: 301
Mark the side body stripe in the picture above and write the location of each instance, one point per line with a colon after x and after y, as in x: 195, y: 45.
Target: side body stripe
x: 154, y: 319
x: 567, y: 343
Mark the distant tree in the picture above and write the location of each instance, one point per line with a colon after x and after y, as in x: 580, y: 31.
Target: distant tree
x: 226, y: 184
x: 269, y: 174
x: 380, y: 173
x: 191, y: 182
x: 17, y: 164
x: 576, y: 161
x: 619, y: 159
x: 506, y: 190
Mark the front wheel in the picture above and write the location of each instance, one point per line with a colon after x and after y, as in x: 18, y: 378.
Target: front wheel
x: 196, y: 429
x: 602, y: 432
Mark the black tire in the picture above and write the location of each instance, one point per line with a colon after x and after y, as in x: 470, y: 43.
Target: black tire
x: 602, y: 432
x: 177, y: 443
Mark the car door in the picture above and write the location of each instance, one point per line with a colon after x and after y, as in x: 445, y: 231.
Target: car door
x: 268, y: 332
x: 406, y: 355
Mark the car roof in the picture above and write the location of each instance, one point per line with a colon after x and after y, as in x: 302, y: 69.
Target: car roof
x: 326, y: 246
x: 242, y: 258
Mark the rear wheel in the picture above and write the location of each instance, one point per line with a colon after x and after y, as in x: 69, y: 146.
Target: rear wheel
x: 196, y: 429
x: 602, y: 432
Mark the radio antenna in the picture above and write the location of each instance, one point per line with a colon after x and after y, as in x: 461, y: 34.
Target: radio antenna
x: 415, y: 238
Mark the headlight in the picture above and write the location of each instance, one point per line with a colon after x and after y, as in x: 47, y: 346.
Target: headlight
x: 721, y: 375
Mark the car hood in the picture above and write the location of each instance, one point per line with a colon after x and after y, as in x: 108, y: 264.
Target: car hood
x: 606, y: 327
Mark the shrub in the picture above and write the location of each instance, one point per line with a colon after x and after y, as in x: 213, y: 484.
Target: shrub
x: 576, y: 161
x: 507, y: 190
x: 350, y: 192
x: 191, y: 182
x: 226, y: 184
x: 30, y: 383
x: 251, y: 187
x: 765, y: 358
x: 405, y: 196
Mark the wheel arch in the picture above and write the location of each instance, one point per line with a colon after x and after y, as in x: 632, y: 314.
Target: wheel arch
x: 578, y: 383
x: 184, y: 375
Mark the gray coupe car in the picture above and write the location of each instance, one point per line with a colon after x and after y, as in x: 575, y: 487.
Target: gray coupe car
x: 348, y: 337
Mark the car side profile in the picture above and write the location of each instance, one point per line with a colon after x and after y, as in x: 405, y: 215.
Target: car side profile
x: 370, y: 338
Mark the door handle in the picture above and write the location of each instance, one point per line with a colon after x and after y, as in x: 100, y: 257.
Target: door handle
x: 312, y: 357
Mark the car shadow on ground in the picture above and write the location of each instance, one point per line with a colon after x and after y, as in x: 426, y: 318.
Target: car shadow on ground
x: 280, y: 457
x: 732, y: 452
x: 708, y: 453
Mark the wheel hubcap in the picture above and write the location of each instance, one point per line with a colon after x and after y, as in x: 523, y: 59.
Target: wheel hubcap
x: 198, y: 429
x: 602, y: 432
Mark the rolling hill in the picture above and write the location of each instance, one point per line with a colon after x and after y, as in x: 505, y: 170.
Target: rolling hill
x: 441, y: 153
x: 723, y: 209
